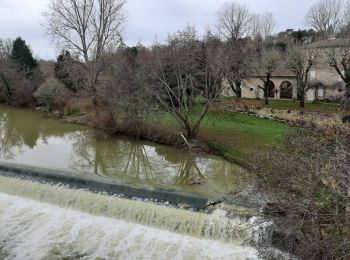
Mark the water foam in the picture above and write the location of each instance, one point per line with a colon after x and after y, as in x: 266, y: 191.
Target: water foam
x: 214, y: 226
x: 37, y: 230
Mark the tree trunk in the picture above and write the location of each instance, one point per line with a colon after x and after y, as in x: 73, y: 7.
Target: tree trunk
x: 8, y: 89
x: 266, y: 92
x: 302, y: 100
x: 347, y: 96
x: 238, y: 89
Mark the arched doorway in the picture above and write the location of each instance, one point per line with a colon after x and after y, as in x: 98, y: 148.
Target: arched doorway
x: 272, y: 89
x: 286, y: 90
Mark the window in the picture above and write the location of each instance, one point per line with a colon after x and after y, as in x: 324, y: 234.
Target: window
x: 312, y: 75
x: 320, y: 92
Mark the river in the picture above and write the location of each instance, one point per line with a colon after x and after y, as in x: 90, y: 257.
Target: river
x: 52, y: 221
x: 28, y: 138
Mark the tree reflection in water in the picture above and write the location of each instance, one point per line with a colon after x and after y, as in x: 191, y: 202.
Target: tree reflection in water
x: 27, y: 137
x: 9, y: 139
x: 189, y: 172
x: 21, y: 129
x: 133, y: 160
x: 112, y: 158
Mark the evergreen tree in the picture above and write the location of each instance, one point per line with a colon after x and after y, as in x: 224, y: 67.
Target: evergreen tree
x: 23, y: 56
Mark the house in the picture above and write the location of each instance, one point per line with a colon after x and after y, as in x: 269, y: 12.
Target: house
x: 324, y: 82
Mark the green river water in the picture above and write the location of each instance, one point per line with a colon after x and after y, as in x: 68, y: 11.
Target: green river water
x: 29, y: 138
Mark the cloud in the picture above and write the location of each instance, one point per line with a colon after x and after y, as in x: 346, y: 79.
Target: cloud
x: 146, y: 18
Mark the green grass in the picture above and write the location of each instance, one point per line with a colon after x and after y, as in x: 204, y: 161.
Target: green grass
x: 308, y: 105
x: 290, y: 104
x: 234, y: 135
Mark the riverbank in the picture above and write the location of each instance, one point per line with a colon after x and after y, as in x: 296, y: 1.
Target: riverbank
x: 234, y: 136
x: 230, y: 129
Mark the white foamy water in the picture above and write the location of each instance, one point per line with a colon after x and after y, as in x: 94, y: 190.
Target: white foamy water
x: 37, y: 230
x: 207, y: 226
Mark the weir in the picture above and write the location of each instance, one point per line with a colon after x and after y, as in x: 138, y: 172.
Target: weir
x: 36, y: 230
x: 96, y: 184
x: 211, y: 226
x: 41, y: 220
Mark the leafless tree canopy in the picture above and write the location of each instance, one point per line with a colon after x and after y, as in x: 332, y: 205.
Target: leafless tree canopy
x: 87, y: 28
x: 264, y: 65
x: 301, y: 61
x: 262, y: 25
x: 185, y: 69
x: 5, y: 48
x: 339, y: 58
x: 326, y: 16
x: 234, y: 21
x: 236, y: 63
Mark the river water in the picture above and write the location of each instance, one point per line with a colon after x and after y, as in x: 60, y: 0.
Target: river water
x: 51, y: 221
x: 28, y: 138
x: 41, y: 221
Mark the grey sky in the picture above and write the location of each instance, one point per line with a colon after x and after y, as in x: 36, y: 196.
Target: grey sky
x: 146, y: 18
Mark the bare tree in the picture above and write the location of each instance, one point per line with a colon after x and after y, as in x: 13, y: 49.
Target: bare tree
x: 301, y: 61
x: 326, y: 16
x: 267, y: 25
x: 262, y: 26
x: 87, y: 28
x: 266, y: 63
x: 5, y: 48
x: 236, y: 63
x: 340, y: 60
x: 233, y: 21
x: 186, y: 69
x: 255, y: 27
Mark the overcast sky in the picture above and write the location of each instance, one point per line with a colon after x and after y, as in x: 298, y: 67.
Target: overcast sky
x: 147, y: 19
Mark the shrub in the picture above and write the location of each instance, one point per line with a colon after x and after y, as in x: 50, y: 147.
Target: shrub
x: 307, y: 181
x: 22, y: 92
x: 72, y: 111
x: 52, y: 94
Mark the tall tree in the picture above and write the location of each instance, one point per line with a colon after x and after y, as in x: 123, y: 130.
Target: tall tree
x: 233, y: 21
x: 23, y: 56
x: 326, y: 16
x: 340, y: 60
x: 236, y: 62
x: 185, y: 69
x: 265, y: 64
x: 87, y: 28
x: 301, y: 61
x: 5, y: 48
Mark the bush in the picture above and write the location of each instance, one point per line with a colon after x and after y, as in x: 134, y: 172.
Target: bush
x: 22, y: 92
x: 307, y: 181
x: 72, y: 111
x: 52, y: 94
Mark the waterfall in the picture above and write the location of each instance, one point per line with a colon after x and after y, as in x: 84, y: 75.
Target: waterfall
x: 213, y: 226
x: 41, y: 220
x: 32, y: 230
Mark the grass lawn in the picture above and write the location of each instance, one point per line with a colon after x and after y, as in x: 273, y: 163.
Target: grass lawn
x: 287, y: 104
x: 234, y: 135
